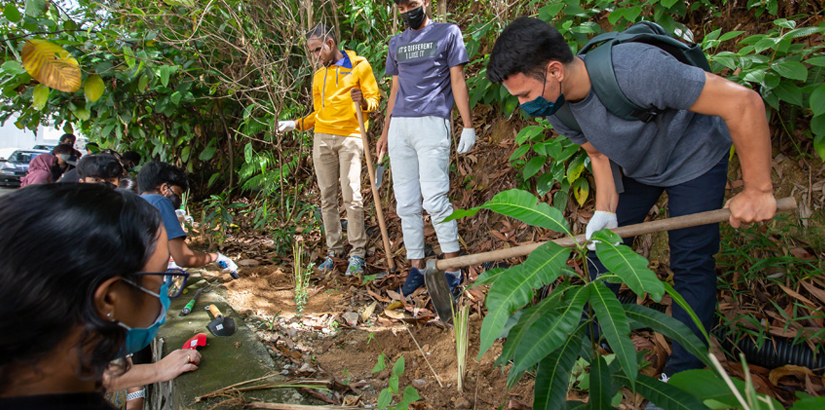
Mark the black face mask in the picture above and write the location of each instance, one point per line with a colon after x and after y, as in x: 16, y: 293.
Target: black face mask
x: 176, y: 201
x: 415, y: 17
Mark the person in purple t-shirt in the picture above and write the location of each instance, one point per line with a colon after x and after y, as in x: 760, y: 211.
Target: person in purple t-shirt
x: 426, y: 63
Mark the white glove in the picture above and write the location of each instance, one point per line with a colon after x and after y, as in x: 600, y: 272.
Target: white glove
x: 286, y: 126
x: 600, y: 220
x: 227, y: 265
x: 468, y: 139
x: 183, y: 217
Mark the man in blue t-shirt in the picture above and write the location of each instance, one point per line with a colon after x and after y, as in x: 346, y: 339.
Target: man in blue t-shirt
x: 683, y: 152
x: 426, y: 63
x: 163, y: 186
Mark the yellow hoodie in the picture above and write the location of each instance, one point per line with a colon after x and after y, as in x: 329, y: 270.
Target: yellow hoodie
x: 334, y: 111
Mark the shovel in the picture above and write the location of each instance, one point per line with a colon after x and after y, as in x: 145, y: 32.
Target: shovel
x: 220, y: 326
x: 379, y: 213
x: 440, y: 291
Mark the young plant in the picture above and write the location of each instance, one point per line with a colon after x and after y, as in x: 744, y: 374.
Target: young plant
x: 461, y: 322
x: 301, y: 276
x: 551, y: 335
x: 385, y: 398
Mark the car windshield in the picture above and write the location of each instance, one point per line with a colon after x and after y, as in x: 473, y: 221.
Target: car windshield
x: 22, y: 156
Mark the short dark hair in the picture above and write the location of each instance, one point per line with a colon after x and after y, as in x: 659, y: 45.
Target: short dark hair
x: 63, y: 149
x: 100, y: 166
x: 131, y: 156
x: 526, y: 46
x: 112, y: 233
x: 156, y: 173
x: 68, y: 136
x: 323, y: 32
x: 400, y: 2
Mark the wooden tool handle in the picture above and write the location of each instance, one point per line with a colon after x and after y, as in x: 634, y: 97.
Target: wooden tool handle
x: 669, y: 224
x: 379, y: 213
x: 214, y: 311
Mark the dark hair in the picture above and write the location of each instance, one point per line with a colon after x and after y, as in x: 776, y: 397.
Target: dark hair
x: 47, y: 287
x: 400, y: 2
x: 526, y: 46
x: 67, y: 136
x: 63, y: 149
x: 128, y: 184
x: 100, y: 166
x: 131, y: 156
x: 322, y: 32
x: 156, y: 173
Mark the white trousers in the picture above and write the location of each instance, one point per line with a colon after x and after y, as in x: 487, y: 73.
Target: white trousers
x: 420, y: 158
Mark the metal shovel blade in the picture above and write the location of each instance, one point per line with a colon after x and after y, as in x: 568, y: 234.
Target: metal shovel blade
x: 379, y: 174
x: 439, y: 291
x: 220, y: 326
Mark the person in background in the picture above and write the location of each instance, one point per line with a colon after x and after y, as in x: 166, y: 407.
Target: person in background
x: 40, y: 170
x: 98, y: 168
x: 71, y: 139
x: 66, y: 161
x: 130, y: 160
x: 64, y: 323
x: 344, y: 80
x: 163, y: 185
x: 92, y: 148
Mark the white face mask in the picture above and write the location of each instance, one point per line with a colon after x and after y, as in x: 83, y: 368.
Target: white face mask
x: 64, y: 157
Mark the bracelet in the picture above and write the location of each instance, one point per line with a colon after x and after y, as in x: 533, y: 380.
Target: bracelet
x: 136, y: 395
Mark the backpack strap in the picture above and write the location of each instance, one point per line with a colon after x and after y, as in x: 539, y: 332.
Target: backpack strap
x: 599, y: 63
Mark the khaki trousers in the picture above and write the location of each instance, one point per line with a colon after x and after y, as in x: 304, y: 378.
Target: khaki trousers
x: 337, y: 156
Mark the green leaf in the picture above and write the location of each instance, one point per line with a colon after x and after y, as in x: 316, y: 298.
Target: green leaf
x: 550, y: 331
x: 803, y: 32
x: 143, y: 83
x: 818, y: 128
x: 791, y: 69
x: 553, y: 372
x: 519, y: 152
x: 705, y: 385
x: 544, y: 183
x: 533, y: 166
x: 817, y: 100
x: 668, y: 3
x: 166, y: 71
x: 514, y: 288
x: 527, y: 133
x: 175, y: 97
x: 808, y: 402
x: 208, y: 153
x: 184, y: 155
x: 600, y: 386
x: 615, y: 328
x: 663, y: 394
x: 12, y: 67
x: 627, y: 264
x: 581, y: 190
x: 523, y: 206
x: 670, y: 327
x: 384, y: 399
x: 730, y: 34
x: 12, y: 13
x: 681, y: 302
x: 410, y: 395
x: 489, y: 276
x: 82, y: 114
x: 789, y: 92
x: 93, y: 87
x: 40, y: 96
x: 398, y: 367
x: 576, y: 167
x: 393, y: 383
x: 380, y: 365
x: 818, y: 61
x: 528, y: 317
x: 573, y: 405
x: 615, y: 16
x: 34, y: 8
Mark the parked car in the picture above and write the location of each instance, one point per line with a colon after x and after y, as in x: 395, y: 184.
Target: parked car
x: 16, y: 166
x: 46, y: 147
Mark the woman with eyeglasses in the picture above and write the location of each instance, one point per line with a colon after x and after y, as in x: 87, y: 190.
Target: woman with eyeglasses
x: 84, y: 281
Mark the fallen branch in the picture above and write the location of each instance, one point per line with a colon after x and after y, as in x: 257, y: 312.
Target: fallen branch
x: 281, y: 406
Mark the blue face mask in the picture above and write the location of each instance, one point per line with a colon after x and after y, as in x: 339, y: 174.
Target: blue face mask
x: 540, y: 107
x: 138, y: 338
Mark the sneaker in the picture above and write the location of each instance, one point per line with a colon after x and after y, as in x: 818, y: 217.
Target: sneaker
x: 454, y: 279
x: 356, y: 266
x: 327, y: 264
x: 650, y: 405
x: 414, y: 281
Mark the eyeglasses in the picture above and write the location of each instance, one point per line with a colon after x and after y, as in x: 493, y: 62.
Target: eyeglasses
x: 174, y: 278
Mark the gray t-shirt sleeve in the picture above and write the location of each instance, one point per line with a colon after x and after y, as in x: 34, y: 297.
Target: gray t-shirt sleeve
x: 575, y: 136
x: 652, y: 78
x: 391, y: 67
x: 456, y: 52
